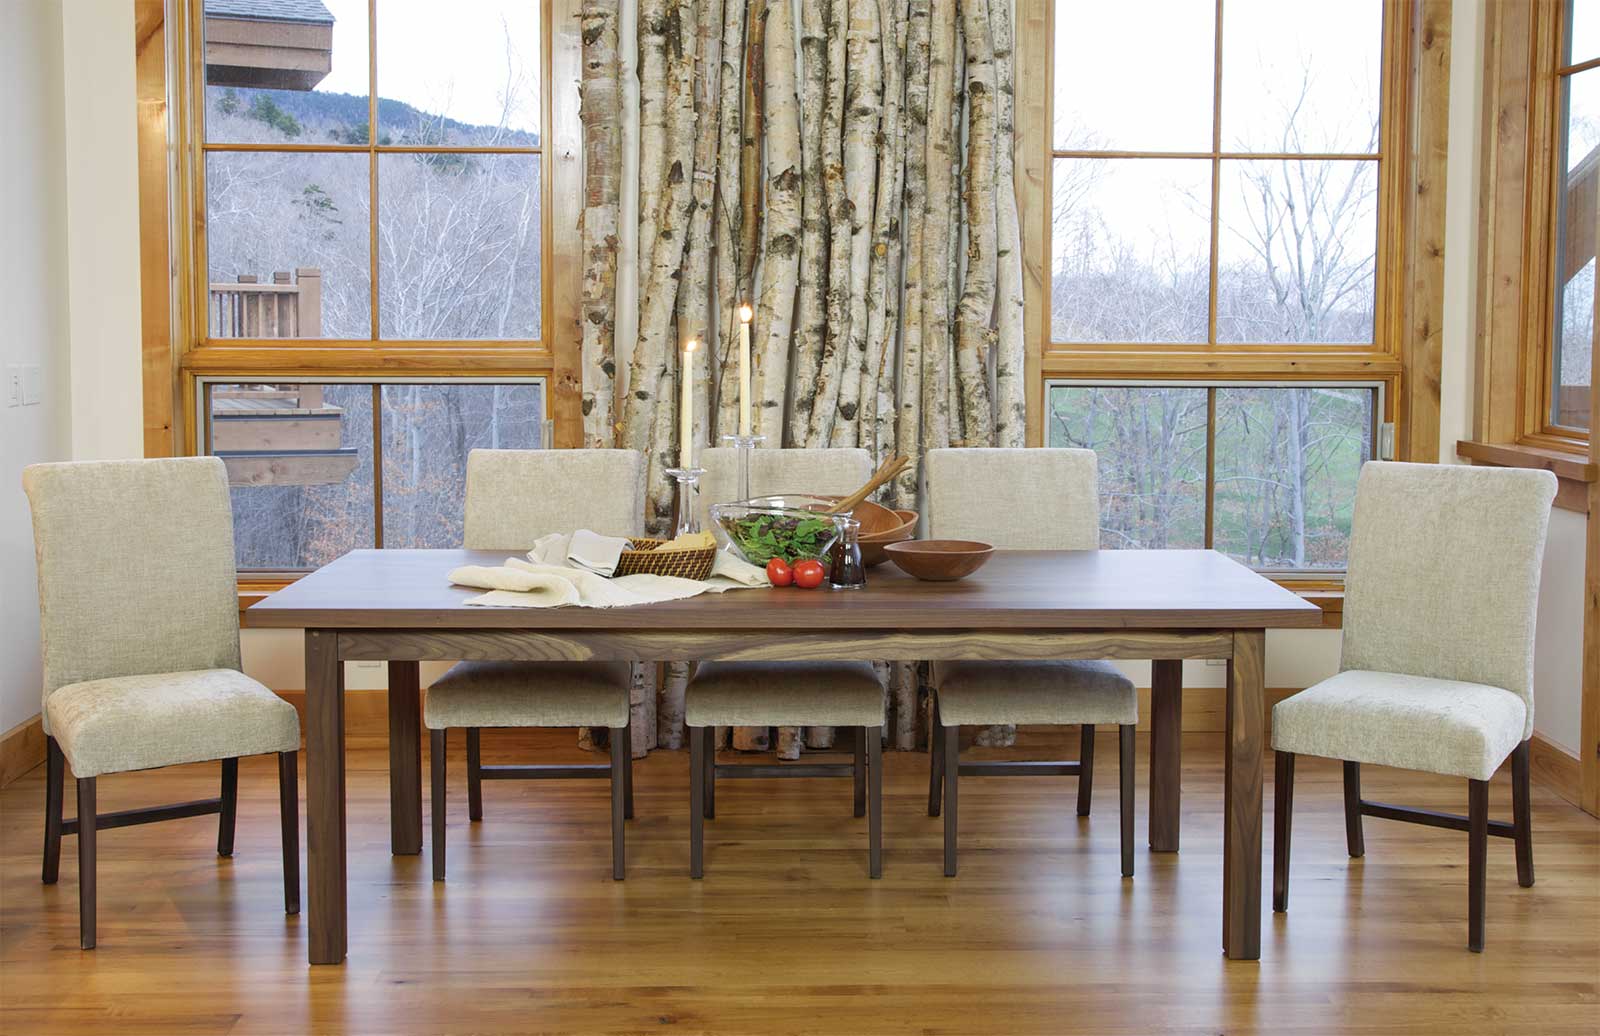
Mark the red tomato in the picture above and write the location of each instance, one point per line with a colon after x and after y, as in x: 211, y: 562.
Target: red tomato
x: 779, y: 573
x: 808, y: 574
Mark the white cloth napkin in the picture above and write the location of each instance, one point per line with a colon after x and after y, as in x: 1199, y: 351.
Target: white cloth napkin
x: 549, y: 580
x: 595, y: 552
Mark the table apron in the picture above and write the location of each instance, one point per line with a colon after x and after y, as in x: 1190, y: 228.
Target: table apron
x: 765, y: 645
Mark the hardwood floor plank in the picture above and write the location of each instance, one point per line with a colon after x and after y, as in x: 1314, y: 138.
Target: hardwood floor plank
x: 786, y: 934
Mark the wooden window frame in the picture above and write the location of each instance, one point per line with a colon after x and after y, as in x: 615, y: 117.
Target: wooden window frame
x: 177, y: 353
x: 1406, y: 352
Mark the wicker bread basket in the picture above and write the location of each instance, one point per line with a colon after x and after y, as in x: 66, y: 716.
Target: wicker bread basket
x: 644, y: 558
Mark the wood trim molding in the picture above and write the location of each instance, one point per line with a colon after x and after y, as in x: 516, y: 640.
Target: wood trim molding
x: 21, y: 749
x: 1575, y: 473
x: 1557, y: 769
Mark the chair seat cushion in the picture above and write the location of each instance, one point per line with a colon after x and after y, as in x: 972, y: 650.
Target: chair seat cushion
x: 162, y: 719
x: 760, y: 694
x: 1414, y: 722
x: 980, y: 693
x: 530, y: 694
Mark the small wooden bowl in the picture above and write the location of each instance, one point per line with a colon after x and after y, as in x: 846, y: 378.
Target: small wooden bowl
x: 875, y: 518
x: 872, y: 546
x: 939, y: 560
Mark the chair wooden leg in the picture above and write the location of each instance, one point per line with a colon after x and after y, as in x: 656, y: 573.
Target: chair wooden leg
x: 436, y: 766
x: 1522, y: 815
x: 621, y: 756
x: 874, y: 739
x: 289, y: 822
x: 952, y: 776
x: 86, y: 872
x: 1085, y: 769
x: 1125, y: 749
x: 54, y: 779
x: 1477, y: 859
x: 228, y: 820
x: 861, y: 774
x: 935, y: 762
x: 697, y: 804
x: 710, y: 812
x: 1352, y: 810
x: 1282, y: 822
x: 627, y: 773
x: 474, y: 774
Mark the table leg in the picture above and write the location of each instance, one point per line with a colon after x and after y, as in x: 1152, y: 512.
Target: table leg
x: 1241, y: 838
x: 405, y: 759
x: 325, y: 798
x: 1166, y: 753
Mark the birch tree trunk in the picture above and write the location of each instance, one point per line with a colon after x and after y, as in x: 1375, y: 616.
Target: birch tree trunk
x: 676, y: 204
x: 863, y: 108
x: 936, y: 244
x: 812, y: 315
x: 601, y: 113
x: 830, y: 369
x: 1011, y: 393
x: 727, y: 214
x: 876, y: 421
x: 752, y: 129
x: 908, y: 419
x: 780, y: 259
x: 975, y: 337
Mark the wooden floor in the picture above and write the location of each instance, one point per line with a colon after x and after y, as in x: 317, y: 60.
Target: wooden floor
x: 786, y: 934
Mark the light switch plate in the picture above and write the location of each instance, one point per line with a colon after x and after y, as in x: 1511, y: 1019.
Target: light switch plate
x: 13, y: 385
x: 32, y: 389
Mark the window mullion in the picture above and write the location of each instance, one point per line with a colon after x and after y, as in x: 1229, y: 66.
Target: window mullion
x: 377, y: 464
x: 1211, y: 466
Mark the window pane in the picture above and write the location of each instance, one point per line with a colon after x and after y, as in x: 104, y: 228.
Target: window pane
x: 291, y: 217
x: 1575, y: 237
x: 1301, y: 77
x: 1297, y: 251
x: 469, y: 75
x: 299, y: 461
x: 458, y: 246
x: 1100, y: 43
x: 1583, y: 37
x: 428, y: 430
x: 1151, y: 444
x: 1286, y: 466
x: 1130, y: 244
x: 298, y: 77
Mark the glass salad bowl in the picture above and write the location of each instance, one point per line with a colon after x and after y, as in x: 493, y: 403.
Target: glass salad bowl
x: 792, y: 526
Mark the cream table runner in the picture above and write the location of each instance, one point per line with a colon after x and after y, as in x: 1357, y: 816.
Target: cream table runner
x: 548, y: 579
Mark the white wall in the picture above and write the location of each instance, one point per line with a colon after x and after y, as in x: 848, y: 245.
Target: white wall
x: 1558, y: 651
x: 33, y: 274
x: 102, y: 238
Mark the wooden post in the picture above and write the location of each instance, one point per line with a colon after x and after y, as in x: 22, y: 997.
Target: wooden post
x: 309, y: 280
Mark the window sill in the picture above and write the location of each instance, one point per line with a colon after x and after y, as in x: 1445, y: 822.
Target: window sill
x: 1574, y: 470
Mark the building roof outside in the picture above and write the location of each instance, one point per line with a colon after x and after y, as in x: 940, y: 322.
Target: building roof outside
x: 271, y: 10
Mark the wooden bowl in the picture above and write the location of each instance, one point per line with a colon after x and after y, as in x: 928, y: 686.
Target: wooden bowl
x: 939, y: 560
x: 872, y: 546
x: 875, y: 518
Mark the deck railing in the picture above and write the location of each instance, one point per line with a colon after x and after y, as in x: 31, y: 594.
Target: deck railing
x: 283, y: 308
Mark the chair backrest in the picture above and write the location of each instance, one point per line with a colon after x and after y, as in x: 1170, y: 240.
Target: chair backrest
x: 827, y: 471
x: 1444, y: 573
x: 1023, y: 499
x: 516, y: 496
x: 136, y: 568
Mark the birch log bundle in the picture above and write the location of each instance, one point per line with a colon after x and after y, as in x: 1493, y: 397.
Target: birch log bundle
x: 846, y: 167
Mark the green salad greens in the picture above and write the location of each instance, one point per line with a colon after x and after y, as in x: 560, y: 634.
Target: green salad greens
x: 762, y: 537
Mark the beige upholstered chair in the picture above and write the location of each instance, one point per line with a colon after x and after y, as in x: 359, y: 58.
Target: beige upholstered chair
x: 1023, y: 499
x: 1437, y: 667
x: 513, y: 498
x: 761, y: 694
x: 139, y: 618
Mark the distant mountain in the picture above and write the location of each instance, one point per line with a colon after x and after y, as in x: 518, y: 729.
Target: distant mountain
x: 344, y: 117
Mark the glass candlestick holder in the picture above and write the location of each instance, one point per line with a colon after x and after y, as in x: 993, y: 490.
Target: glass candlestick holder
x: 746, y: 445
x: 688, y: 480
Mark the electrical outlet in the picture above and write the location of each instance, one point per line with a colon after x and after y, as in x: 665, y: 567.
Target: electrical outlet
x: 32, y: 389
x: 13, y: 385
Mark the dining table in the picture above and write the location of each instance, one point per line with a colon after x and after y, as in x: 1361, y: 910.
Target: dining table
x: 399, y: 606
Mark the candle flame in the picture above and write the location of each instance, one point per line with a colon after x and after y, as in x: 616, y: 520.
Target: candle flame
x: 745, y: 313
x: 691, y: 345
